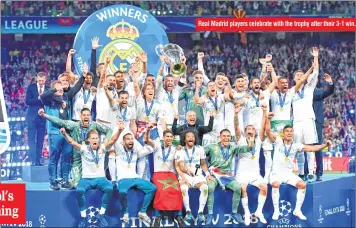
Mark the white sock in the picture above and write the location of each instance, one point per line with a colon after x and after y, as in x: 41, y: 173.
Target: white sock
x: 83, y: 214
x: 102, y: 211
x: 112, y: 168
x: 275, y: 199
x: 300, y: 161
x: 261, y: 203
x: 300, y: 199
x: 184, y: 188
x: 311, y: 159
x: 268, y: 163
x: 203, y: 197
x: 244, y: 202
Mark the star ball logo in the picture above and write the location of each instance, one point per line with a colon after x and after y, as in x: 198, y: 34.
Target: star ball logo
x: 348, y: 211
x: 42, y: 220
x: 124, y: 32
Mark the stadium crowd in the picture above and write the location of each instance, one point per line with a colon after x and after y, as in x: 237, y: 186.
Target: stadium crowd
x: 48, y: 54
x: 180, y: 8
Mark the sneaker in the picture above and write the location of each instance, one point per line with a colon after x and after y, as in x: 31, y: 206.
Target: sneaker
x: 54, y: 186
x: 247, y: 219
x: 83, y: 222
x: 260, y: 217
x: 188, y: 216
x: 318, y: 178
x: 201, y: 217
x: 144, y: 218
x: 299, y: 214
x: 209, y: 219
x: 180, y: 221
x: 125, y: 218
x: 66, y: 185
x: 102, y: 220
x: 157, y: 222
x: 275, y: 215
x: 310, y: 177
x: 237, y: 218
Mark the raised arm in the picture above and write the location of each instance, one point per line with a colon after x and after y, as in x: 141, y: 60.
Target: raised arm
x: 146, y: 137
x: 321, y: 94
x: 238, y: 108
x: 263, y: 124
x: 273, y: 84
x: 300, y: 83
x: 269, y: 133
x: 135, y: 74
x: 113, y: 139
x: 104, y: 71
x: 316, y: 148
x: 77, y: 87
x: 205, y: 129
x: 197, y: 98
x: 67, y: 124
x: 201, y: 67
x: 69, y: 139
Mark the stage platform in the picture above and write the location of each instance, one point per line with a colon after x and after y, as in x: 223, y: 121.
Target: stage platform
x: 329, y: 203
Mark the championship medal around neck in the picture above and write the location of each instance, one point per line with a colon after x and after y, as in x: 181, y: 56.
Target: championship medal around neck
x: 97, y: 166
x: 287, y: 159
x: 253, y: 156
x: 147, y: 118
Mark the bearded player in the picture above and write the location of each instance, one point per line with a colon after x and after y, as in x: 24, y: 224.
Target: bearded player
x: 189, y: 160
x: 248, y: 168
x: 285, y: 149
x: 220, y: 156
x: 304, y: 116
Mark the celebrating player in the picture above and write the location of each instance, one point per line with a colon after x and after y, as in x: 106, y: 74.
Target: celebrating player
x: 285, y: 149
x: 93, y: 156
x: 189, y: 160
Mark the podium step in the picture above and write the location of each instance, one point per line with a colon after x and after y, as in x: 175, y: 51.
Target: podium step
x: 35, y: 173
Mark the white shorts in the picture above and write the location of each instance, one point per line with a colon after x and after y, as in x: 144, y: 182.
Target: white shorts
x: 305, y: 132
x: 250, y: 178
x: 284, y: 177
x: 192, y: 181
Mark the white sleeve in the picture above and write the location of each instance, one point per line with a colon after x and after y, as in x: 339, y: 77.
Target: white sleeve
x: 145, y: 151
x: 292, y: 91
x: 299, y: 146
x: 115, y: 107
x: 83, y: 149
x: 202, y: 153
x: 103, y: 149
x: 206, y: 80
x: 313, y: 79
x: 134, y: 114
x: 179, y: 156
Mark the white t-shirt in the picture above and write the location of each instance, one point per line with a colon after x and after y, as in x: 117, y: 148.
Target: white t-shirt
x: 164, y: 163
x: 285, y: 112
x: 249, y: 162
x: 90, y: 170
x: 303, y: 107
x: 103, y: 107
x: 191, y: 159
x: 119, y: 113
x: 254, y: 113
x: 208, y: 105
x: 169, y: 108
x: 126, y: 161
x: 79, y: 102
x: 280, y: 164
x: 155, y: 114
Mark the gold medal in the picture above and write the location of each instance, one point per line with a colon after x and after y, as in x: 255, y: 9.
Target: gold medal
x: 287, y: 159
x: 147, y: 118
x: 253, y: 156
x: 217, y: 111
x: 164, y: 164
x: 128, y: 166
x: 172, y: 105
x: 97, y: 166
x: 282, y: 109
x: 226, y: 163
x: 83, y: 143
x: 61, y: 110
x: 190, y: 164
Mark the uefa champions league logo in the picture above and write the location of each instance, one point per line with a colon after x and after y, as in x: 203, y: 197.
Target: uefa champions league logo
x: 92, y: 212
x: 320, y: 220
x: 285, y: 208
x: 42, y: 220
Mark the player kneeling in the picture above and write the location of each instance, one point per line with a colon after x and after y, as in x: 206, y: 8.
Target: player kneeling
x: 248, y: 171
x: 93, y: 157
x: 285, y: 150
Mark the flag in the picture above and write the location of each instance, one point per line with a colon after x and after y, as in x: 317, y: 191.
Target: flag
x: 241, y: 14
x: 168, y: 188
x: 222, y: 178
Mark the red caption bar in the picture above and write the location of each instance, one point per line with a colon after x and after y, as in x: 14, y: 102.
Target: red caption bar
x: 13, y: 203
x: 275, y: 24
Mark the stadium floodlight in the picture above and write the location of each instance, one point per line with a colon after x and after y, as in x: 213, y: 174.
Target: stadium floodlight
x: 23, y: 164
x: 27, y: 147
x: 23, y: 148
x: 18, y: 119
x: 18, y: 148
x: 4, y: 165
x: 18, y: 132
x: 352, y: 111
x: 18, y: 164
x: 170, y: 11
x: 22, y: 118
x: 154, y: 12
x: 158, y: 12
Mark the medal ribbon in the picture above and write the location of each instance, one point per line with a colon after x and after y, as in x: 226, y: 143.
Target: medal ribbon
x: 225, y: 153
x: 287, y: 152
x: 113, y: 93
x: 256, y: 100
x: 282, y: 100
x: 83, y: 133
x: 301, y: 94
x: 86, y: 96
x: 170, y: 97
x: 148, y: 110
x: 215, y: 103
x: 190, y: 158
x: 123, y: 115
x: 165, y: 156
x: 128, y: 157
x: 253, y: 151
x: 95, y: 156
